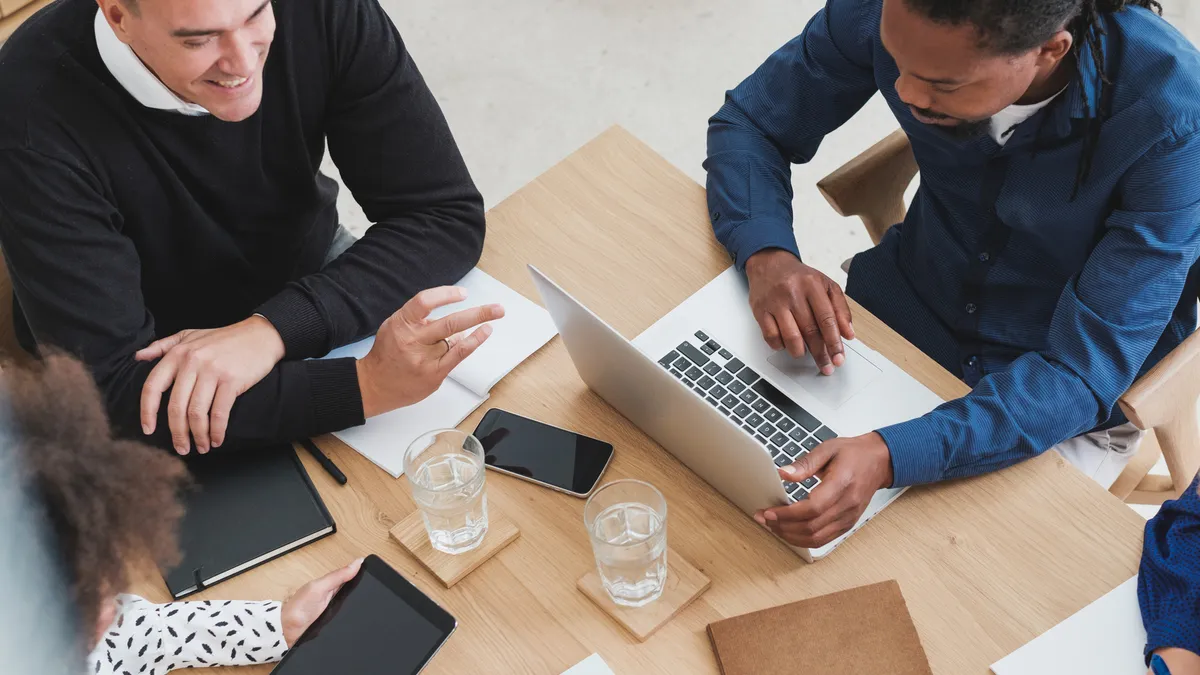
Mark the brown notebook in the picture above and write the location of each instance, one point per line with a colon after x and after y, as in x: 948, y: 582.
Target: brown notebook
x: 862, y: 630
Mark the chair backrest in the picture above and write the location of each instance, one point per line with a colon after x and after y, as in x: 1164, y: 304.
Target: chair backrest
x: 14, y: 12
x: 10, y: 349
x: 871, y: 186
x: 1164, y: 400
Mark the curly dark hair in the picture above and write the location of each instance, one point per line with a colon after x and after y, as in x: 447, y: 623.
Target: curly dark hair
x: 112, y: 506
x: 1017, y: 26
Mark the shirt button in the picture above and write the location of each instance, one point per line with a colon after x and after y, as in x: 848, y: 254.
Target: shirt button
x: 973, y: 361
x: 971, y: 308
x: 984, y: 257
x: 716, y: 216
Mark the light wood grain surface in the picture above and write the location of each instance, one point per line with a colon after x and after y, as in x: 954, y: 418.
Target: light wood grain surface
x: 985, y: 564
x: 411, y: 534
x: 685, y: 584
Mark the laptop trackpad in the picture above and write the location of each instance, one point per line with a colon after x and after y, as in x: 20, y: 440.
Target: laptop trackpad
x: 852, y: 377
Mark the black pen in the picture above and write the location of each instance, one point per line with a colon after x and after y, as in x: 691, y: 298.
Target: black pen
x: 324, y: 461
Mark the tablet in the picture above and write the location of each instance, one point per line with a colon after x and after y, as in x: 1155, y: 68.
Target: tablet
x: 377, y: 623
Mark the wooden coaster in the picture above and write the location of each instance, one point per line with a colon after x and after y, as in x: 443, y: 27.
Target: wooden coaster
x: 450, y: 569
x: 685, y: 583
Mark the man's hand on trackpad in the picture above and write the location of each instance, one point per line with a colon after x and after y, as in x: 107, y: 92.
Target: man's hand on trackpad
x: 798, y: 308
x: 206, y: 370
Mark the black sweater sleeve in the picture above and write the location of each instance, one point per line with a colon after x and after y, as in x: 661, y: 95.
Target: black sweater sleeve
x: 77, y: 279
x: 395, y: 152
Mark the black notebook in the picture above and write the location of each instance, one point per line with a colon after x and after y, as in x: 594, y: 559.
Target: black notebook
x: 247, y: 507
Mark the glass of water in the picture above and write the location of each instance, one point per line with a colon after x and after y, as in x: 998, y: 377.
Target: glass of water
x: 627, y: 523
x: 446, y: 471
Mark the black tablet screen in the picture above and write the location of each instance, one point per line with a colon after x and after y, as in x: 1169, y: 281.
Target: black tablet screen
x: 369, y: 629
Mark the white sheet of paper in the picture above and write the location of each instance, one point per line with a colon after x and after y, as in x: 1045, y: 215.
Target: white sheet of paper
x: 592, y: 665
x: 523, y: 330
x: 384, y: 439
x: 1104, y: 638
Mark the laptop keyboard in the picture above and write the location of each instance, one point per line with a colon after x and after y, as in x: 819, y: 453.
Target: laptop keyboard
x: 786, y: 430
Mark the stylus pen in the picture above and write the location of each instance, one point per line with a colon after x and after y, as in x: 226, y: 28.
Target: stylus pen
x: 324, y: 461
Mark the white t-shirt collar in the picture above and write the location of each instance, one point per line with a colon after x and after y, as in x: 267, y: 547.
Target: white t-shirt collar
x: 1005, y: 121
x: 134, y: 76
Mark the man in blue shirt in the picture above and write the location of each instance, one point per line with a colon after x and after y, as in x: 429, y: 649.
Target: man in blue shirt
x: 1045, y: 258
x: 1169, y: 585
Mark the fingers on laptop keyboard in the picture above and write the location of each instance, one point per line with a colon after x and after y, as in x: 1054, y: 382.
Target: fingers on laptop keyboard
x: 786, y: 430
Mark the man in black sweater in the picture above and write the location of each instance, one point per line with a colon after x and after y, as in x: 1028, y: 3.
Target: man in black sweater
x: 163, y: 216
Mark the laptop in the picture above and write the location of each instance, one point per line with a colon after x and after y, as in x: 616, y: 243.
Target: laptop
x: 704, y: 385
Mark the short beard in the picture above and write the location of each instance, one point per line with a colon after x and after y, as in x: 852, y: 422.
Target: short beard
x: 966, y: 131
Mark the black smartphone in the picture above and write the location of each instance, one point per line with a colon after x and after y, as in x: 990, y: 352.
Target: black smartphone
x: 542, y: 454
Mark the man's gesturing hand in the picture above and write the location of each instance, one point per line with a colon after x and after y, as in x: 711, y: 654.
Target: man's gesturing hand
x: 413, y: 355
x: 208, y: 369
x: 798, y: 307
x: 851, y: 470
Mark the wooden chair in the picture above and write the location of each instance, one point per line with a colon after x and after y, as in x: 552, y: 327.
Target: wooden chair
x: 14, y: 12
x: 1162, y: 402
x: 10, y: 349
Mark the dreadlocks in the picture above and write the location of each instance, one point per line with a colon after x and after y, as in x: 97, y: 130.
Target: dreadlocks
x: 1016, y: 26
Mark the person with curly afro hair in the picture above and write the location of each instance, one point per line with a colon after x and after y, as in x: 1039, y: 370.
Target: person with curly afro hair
x: 112, y: 509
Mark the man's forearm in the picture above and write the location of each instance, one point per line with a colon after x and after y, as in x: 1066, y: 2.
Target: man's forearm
x: 778, y: 117
x: 297, y: 399
x: 396, y: 259
x: 739, y: 159
x: 1008, y: 417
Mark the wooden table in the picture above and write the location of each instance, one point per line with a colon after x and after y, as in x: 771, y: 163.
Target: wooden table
x: 985, y: 564
x: 15, y: 12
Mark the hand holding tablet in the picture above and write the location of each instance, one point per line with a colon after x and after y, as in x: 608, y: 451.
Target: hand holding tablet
x: 377, y: 623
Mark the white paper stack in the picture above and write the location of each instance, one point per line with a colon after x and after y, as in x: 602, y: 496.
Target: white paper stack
x: 592, y: 665
x: 523, y: 330
x: 1104, y: 638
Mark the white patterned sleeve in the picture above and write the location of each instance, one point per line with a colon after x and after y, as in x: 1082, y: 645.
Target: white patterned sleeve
x: 150, y: 639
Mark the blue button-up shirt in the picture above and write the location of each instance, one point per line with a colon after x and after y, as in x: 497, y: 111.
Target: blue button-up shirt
x: 1169, y: 578
x: 1048, y: 306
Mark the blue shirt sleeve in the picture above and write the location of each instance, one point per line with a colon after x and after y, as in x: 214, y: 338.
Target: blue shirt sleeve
x: 777, y: 117
x: 1105, y: 325
x: 1169, y: 578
